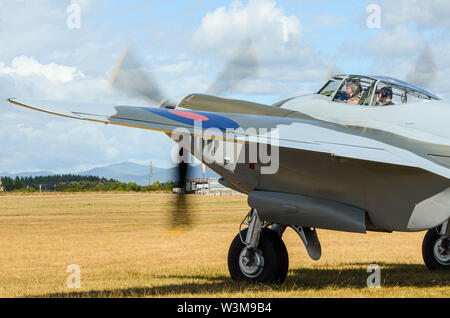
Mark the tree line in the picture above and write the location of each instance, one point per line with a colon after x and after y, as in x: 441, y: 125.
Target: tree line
x: 76, y: 183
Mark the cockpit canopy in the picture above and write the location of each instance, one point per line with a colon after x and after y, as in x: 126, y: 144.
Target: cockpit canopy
x: 372, y: 90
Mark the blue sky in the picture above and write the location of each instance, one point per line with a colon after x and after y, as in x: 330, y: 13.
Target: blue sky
x: 185, y: 45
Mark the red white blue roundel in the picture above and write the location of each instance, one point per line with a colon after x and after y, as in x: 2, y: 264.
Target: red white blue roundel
x: 208, y: 120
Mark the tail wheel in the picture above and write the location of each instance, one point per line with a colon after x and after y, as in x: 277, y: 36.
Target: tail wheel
x: 268, y: 263
x: 436, y: 251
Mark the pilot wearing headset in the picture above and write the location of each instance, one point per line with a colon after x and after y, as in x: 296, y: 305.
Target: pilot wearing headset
x: 384, y: 97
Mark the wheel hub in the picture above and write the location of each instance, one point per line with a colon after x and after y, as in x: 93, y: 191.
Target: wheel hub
x: 251, y: 262
x: 442, y: 252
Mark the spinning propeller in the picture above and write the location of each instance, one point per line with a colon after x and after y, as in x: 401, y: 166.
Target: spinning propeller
x: 425, y: 69
x: 131, y: 77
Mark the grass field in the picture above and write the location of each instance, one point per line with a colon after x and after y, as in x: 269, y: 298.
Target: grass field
x: 124, y: 248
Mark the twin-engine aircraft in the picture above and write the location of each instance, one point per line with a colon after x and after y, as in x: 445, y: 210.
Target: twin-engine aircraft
x: 364, y: 153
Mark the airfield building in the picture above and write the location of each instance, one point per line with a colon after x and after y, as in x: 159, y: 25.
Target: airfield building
x: 205, y: 186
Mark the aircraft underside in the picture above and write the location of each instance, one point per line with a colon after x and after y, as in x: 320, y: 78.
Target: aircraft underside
x: 387, y: 197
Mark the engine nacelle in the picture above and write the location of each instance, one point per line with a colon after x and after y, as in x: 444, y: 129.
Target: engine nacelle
x: 173, y: 102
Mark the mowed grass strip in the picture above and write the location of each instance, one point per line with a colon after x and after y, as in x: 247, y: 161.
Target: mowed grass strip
x: 125, y: 247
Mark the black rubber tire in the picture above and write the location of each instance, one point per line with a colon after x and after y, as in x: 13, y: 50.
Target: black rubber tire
x: 276, y: 260
x: 427, y: 251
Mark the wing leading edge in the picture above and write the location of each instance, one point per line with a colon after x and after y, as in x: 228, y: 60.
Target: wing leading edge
x: 302, y: 134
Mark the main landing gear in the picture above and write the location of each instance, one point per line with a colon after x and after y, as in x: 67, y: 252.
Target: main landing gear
x: 436, y: 248
x: 257, y: 254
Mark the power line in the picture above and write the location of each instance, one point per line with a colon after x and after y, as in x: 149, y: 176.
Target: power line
x: 150, y: 175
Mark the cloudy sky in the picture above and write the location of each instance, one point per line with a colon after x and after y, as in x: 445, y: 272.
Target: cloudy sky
x: 46, y: 54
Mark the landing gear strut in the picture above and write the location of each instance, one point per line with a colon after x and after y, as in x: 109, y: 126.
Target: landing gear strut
x: 257, y: 254
x: 436, y: 248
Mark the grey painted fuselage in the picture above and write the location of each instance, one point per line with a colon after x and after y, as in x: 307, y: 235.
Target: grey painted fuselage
x: 394, y: 197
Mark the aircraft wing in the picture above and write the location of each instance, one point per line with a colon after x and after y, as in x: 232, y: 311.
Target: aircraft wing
x: 296, y: 133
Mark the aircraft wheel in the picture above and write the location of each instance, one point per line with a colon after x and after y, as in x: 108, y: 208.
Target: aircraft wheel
x: 436, y: 251
x: 267, y: 264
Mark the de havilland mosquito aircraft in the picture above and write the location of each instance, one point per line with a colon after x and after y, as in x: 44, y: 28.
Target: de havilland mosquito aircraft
x: 363, y: 153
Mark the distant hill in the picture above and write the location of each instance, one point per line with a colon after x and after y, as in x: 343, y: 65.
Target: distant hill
x: 132, y: 172
x: 27, y: 174
x: 127, y: 172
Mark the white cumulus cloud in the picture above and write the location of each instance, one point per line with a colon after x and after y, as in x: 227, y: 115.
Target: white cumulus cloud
x: 29, y: 66
x: 285, y: 59
x: 260, y: 20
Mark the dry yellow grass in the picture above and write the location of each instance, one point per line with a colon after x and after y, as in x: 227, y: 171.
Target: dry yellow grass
x: 124, y: 249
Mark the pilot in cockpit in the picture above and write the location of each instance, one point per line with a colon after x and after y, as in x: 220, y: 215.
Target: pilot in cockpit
x: 353, y: 90
x: 384, y: 96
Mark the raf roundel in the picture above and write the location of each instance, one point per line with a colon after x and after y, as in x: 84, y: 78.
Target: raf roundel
x: 207, y: 120
x: 189, y: 115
